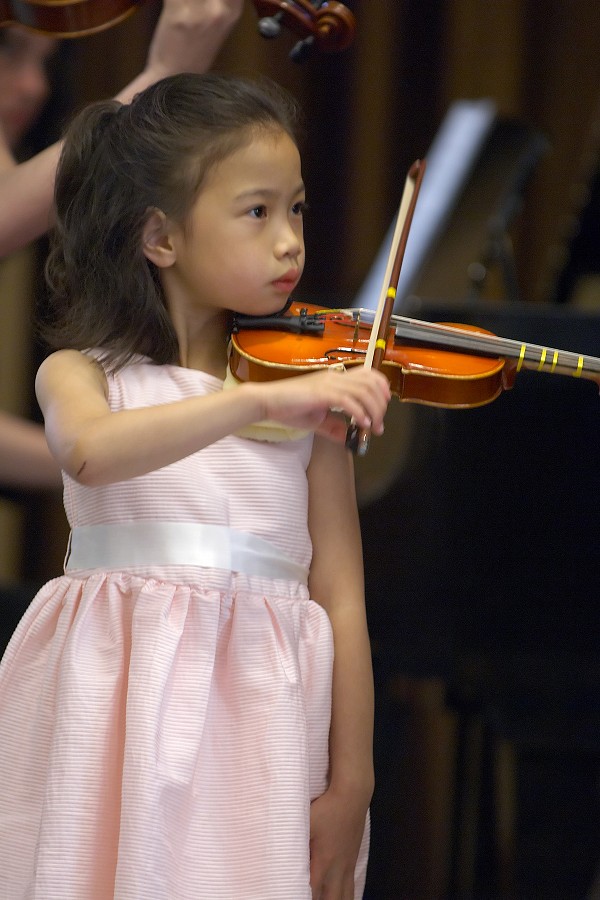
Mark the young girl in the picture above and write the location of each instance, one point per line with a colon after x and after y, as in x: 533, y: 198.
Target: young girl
x: 174, y: 722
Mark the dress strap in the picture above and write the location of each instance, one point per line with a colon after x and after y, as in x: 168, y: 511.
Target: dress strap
x: 126, y: 545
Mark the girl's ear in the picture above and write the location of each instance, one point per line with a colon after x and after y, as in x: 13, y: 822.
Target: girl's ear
x: 156, y: 240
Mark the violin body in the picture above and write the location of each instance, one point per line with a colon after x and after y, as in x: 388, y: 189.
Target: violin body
x: 437, y: 377
x: 329, y: 25
x: 440, y: 364
x: 65, y: 19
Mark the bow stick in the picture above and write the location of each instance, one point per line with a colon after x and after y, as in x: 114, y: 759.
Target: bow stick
x: 357, y: 439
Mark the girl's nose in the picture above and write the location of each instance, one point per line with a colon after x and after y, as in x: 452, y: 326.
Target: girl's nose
x: 289, y: 242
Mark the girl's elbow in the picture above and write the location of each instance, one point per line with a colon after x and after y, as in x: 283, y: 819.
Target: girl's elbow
x: 83, y: 474
x: 80, y: 471
x: 82, y: 464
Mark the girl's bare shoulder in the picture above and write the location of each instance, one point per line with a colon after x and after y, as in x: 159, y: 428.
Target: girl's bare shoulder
x: 70, y: 369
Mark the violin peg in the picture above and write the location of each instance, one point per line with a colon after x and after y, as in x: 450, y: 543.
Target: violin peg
x: 321, y: 24
x: 270, y: 26
x: 303, y: 50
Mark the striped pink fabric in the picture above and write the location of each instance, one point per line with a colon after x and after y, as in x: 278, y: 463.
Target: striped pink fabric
x: 162, y: 732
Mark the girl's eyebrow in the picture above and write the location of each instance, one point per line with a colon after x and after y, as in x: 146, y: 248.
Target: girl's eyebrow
x: 267, y: 192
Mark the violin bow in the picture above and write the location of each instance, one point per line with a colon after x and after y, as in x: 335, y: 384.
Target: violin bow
x: 357, y: 439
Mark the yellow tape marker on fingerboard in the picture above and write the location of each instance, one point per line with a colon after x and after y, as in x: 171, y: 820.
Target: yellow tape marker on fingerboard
x: 542, y: 359
x: 521, y: 357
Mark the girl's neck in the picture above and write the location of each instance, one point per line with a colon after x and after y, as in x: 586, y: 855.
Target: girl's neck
x: 203, y: 343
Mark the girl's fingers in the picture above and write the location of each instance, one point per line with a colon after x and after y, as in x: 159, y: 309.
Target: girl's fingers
x: 361, y: 396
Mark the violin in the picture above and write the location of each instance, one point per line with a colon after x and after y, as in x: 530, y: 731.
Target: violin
x: 322, y: 25
x: 67, y: 18
x: 439, y: 364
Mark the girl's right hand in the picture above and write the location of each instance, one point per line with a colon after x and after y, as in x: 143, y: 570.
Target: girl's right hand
x: 324, y: 401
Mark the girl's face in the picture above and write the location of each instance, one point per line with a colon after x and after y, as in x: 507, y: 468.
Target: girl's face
x: 242, y: 246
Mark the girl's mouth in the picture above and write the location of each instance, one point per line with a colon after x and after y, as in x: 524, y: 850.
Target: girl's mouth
x: 287, y: 282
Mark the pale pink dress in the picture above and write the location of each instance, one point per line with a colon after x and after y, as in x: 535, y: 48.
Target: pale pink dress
x: 163, y: 729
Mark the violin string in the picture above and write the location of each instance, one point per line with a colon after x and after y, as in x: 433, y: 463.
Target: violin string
x: 529, y: 355
x: 536, y: 355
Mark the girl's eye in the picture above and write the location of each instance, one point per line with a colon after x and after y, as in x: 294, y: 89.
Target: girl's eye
x: 258, y: 212
x: 300, y: 208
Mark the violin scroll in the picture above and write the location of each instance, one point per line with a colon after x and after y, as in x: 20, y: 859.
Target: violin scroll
x: 322, y: 25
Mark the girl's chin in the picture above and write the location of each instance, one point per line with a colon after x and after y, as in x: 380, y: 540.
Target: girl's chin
x: 264, y: 309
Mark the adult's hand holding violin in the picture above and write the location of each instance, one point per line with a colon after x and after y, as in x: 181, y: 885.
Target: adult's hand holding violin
x: 187, y: 38
x: 324, y: 401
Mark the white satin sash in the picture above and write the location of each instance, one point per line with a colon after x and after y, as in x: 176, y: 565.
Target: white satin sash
x: 125, y: 545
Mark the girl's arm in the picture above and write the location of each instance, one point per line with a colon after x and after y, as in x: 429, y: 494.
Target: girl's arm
x: 336, y: 582
x: 187, y: 37
x: 97, y: 446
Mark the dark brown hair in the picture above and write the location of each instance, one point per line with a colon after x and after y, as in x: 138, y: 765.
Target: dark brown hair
x: 119, y: 163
